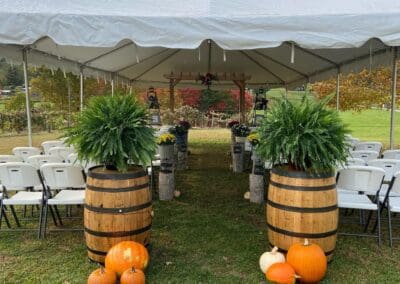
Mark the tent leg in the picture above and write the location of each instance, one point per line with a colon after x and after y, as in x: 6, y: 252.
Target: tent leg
x: 394, y: 91
x: 28, y: 107
x: 81, y: 88
x: 112, y: 85
x: 337, y: 89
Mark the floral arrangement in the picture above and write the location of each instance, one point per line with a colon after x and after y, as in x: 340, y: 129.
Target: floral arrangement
x: 253, y: 138
x: 241, y: 130
x: 232, y: 123
x: 186, y: 124
x: 166, y: 139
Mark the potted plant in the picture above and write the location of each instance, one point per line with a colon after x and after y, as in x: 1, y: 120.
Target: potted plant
x: 304, y: 141
x: 114, y: 132
x: 230, y: 126
x: 165, y: 144
x: 254, y: 140
x: 240, y: 131
x: 181, y: 133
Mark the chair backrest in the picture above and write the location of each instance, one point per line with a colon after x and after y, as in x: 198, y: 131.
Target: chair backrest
x: 19, y: 175
x: 391, y: 154
x: 361, y: 178
x: 352, y: 141
x: 47, y: 145
x: 366, y: 155
x: 370, y: 146
x: 39, y: 160
x: 355, y: 162
x: 395, y: 186
x: 10, y: 158
x: 390, y: 166
x: 61, y: 151
x: 62, y: 175
x: 26, y: 152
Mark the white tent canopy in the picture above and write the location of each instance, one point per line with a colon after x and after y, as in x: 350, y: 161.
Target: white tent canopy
x: 275, y: 42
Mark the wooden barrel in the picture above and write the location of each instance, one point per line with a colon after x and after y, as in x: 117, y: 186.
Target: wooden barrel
x: 302, y: 205
x: 117, y: 208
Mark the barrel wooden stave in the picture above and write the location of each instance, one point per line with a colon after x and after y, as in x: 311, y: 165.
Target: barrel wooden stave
x: 299, y: 208
x: 116, y: 210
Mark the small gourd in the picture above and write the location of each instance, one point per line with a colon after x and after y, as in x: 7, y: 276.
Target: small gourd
x: 270, y: 257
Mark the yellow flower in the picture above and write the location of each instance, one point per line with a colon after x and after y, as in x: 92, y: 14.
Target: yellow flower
x: 253, y: 138
x: 166, y: 139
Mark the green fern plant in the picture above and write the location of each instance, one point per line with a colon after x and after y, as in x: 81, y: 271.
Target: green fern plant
x: 306, y: 135
x: 113, y: 131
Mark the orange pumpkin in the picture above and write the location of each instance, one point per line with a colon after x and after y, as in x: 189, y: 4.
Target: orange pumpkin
x: 281, y: 273
x: 125, y: 255
x: 308, y: 260
x: 133, y: 276
x: 102, y: 276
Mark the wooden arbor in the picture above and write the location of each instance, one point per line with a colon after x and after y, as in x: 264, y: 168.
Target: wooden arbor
x: 238, y: 79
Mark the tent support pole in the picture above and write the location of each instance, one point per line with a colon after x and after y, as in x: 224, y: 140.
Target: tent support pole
x: 394, y: 92
x: 337, y: 89
x: 172, y: 84
x: 112, y: 85
x: 28, y: 107
x: 69, y: 102
x: 242, y: 89
x: 81, y: 82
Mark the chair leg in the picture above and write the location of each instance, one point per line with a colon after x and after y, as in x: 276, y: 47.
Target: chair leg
x: 378, y: 216
x: 15, y: 215
x: 390, y: 227
x: 53, y: 216
x: 58, y: 215
x: 3, y: 212
x: 46, y: 207
x: 40, y: 221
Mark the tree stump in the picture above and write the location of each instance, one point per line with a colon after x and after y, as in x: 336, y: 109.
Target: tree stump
x: 256, y: 188
x: 166, y: 181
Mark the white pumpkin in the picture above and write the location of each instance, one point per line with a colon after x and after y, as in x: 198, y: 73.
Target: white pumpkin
x: 270, y: 257
x: 246, y: 195
x: 177, y: 193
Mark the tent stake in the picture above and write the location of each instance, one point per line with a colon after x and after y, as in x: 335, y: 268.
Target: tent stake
x: 28, y: 108
x: 394, y: 91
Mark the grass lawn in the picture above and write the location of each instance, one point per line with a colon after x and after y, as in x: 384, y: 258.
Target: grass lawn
x: 208, y: 235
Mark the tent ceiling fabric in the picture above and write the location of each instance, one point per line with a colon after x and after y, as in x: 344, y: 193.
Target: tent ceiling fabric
x: 141, y: 41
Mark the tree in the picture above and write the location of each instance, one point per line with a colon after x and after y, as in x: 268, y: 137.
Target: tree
x: 14, y: 76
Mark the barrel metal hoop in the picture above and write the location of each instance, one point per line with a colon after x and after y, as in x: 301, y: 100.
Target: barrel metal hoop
x: 327, y: 253
x: 96, y: 251
x: 118, y: 210
x: 116, y: 175
x: 302, y: 235
x: 119, y: 234
x: 302, y: 209
x: 301, y: 174
x: 303, y: 188
x: 115, y: 190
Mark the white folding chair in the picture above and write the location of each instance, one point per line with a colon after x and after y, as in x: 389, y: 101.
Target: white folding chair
x: 391, y: 154
x: 47, y: 145
x: 61, y: 151
x: 17, y: 175
x: 368, y: 145
x: 364, y: 181
x: 366, y: 155
x: 10, y: 158
x: 67, y: 178
x: 392, y: 202
x: 352, y: 141
x: 355, y: 162
x: 39, y: 160
x: 26, y: 152
x: 390, y: 167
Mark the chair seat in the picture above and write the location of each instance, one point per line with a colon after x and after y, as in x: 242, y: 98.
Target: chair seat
x: 156, y: 163
x: 68, y: 197
x: 394, y: 204
x: 355, y: 201
x: 24, y: 198
x: 157, y: 156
